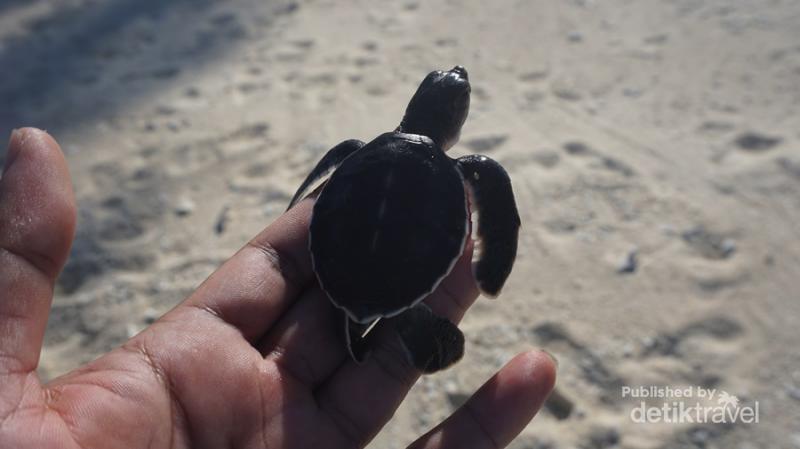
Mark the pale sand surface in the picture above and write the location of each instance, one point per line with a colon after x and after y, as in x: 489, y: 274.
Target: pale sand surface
x: 665, y: 129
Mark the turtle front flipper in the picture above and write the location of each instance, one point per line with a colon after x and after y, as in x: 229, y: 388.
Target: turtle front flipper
x: 498, y: 220
x: 432, y: 343
x: 332, y: 159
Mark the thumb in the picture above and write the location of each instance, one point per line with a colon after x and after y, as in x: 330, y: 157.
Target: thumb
x: 37, y: 224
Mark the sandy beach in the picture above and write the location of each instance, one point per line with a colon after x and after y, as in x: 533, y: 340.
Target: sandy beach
x: 653, y: 146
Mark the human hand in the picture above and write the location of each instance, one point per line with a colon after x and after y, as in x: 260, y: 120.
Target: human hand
x: 252, y: 359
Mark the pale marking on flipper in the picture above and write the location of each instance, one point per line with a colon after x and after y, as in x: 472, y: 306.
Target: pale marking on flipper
x: 332, y: 160
x: 315, y: 185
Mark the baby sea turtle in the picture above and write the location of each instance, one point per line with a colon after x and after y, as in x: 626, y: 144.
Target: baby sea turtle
x: 393, y: 218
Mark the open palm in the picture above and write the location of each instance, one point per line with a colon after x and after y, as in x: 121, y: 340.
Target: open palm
x: 252, y: 359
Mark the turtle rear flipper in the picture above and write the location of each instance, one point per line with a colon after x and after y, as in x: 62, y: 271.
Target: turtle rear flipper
x: 498, y: 220
x: 432, y: 343
x: 332, y: 159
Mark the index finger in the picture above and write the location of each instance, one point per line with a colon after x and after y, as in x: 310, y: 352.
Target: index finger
x: 253, y: 288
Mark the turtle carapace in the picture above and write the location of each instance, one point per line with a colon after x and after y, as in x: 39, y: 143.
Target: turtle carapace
x: 393, y: 218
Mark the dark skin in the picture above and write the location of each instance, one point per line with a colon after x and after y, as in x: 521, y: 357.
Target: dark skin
x: 252, y: 359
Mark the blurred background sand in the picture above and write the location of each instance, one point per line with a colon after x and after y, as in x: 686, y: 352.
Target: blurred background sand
x: 654, y: 148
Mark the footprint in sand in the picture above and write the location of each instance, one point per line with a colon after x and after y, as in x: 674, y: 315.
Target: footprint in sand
x: 486, y: 144
x: 754, y: 142
x: 698, y: 436
x: 656, y: 39
x: 709, y: 244
x: 256, y: 130
x: 296, y: 51
x: 790, y: 167
x: 560, y: 226
x: 546, y: 158
x: 565, y: 89
x: 669, y: 343
x: 258, y: 170
x: 365, y: 61
x: 128, y: 216
x: 162, y: 73
x: 304, y: 44
x: 559, y: 405
x: 616, y: 166
x: 531, y: 91
x: 577, y: 148
x: 290, y: 57
x: 593, y: 368
x: 120, y: 227
x: 602, y: 438
x: 89, y: 257
x: 446, y: 42
x: 715, y: 127
x: 534, y: 76
x: 106, y: 174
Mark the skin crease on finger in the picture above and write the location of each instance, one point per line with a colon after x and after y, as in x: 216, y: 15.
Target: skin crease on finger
x: 194, y: 378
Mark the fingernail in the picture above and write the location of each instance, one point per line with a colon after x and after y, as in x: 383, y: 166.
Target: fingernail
x: 11, y: 151
x: 552, y: 357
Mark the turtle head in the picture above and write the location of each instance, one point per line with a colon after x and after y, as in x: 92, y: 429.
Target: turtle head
x: 439, y: 107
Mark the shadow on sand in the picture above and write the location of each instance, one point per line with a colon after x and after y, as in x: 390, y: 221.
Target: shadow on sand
x: 83, y: 61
